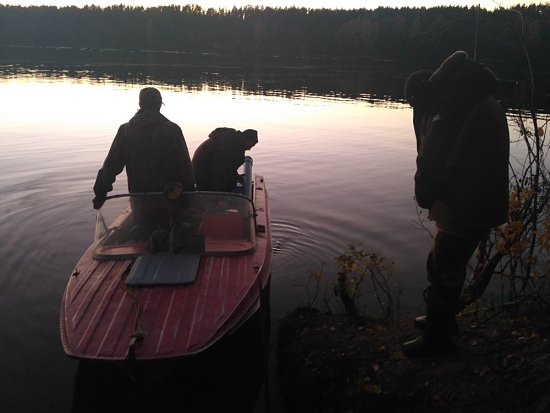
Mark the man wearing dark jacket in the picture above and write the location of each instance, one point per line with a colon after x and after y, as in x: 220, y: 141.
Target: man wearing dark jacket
x: 152, y: 149
x: 217, y: 159
x: 462, y: 179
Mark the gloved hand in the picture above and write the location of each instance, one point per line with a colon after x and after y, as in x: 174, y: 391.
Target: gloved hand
x: 98, y: 201
x: 173, y: 190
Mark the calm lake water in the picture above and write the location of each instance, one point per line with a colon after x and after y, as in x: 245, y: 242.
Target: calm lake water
x: 338, y: 171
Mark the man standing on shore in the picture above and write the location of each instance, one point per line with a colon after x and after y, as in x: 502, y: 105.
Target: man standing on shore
x: 461, y: 177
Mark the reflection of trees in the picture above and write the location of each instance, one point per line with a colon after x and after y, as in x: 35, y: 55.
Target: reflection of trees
x: 272, y: 77
x: 291, y: 78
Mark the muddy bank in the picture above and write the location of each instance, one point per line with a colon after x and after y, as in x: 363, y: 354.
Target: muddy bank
x: 331, y: 363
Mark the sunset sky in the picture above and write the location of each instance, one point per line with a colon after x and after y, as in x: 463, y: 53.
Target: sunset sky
x: 332, y: 4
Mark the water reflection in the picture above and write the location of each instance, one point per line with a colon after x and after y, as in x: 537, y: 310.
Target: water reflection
x: 294, y: 77
x: 290, y: 77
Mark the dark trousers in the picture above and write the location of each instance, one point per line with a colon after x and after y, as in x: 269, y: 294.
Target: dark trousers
x: 446, y: 268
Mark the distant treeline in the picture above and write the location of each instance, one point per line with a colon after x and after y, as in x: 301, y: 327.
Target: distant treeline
x: 405, y: 35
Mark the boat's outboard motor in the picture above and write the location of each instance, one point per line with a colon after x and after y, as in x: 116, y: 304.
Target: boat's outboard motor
x: 247, y: 186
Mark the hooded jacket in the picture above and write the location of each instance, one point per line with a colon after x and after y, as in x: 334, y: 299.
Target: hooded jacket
x: 154, y: 152
x: 462, y: 163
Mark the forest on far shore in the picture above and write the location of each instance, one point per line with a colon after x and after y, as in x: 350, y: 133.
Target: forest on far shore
x: 500, y: 38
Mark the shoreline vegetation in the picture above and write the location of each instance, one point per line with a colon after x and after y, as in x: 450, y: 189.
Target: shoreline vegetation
x: 420, y: 37
x: 332, y: 357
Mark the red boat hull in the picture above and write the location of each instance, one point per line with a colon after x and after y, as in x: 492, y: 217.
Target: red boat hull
x: 102, y: 318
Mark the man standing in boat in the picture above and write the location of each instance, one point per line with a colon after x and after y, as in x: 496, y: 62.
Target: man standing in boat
x: 217, y: 160
x: 152, y: 149
x: 461, y: 178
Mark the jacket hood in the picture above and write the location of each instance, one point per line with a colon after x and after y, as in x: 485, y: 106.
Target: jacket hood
x: 459, y: 73
x: 226, y: 137
x: 234, y: 138
x: 222, y: 134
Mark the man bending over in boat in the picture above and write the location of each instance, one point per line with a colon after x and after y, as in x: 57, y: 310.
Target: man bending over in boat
x: 217, y: 160
x: 152, y: 149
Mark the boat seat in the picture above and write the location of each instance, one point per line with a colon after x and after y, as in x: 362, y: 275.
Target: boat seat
x: 226, y: 225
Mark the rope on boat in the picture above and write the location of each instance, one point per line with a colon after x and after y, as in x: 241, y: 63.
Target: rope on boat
x: 137, y: 334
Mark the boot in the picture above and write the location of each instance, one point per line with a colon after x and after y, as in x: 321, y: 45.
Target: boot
x: 420, y: 324
x: 428, y: 345
x: 440, y: 321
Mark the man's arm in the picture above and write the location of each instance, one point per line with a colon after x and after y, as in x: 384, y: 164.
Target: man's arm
x: 112, y: 166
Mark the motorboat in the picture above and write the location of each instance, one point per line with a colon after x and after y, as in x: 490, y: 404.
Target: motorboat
x: 169, y: 274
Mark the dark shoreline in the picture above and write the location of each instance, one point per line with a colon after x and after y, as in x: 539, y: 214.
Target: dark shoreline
x: 332, y: 363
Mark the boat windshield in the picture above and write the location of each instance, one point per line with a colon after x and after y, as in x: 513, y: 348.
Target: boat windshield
x: 212, y: 223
